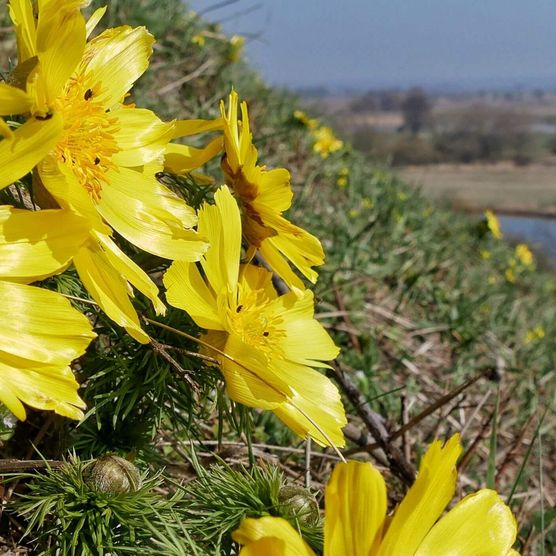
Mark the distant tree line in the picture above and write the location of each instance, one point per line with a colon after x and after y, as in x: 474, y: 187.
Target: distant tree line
x: 476, y: 132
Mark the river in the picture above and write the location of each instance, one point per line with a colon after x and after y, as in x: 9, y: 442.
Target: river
x: 539, y: 233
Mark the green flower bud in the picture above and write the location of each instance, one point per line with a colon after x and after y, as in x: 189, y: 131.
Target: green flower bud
x: 113, y: 475
x: 299, y: 503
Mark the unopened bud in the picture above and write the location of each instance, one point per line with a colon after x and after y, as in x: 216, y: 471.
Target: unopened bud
x: 298, y: 502
x: 113, y: 475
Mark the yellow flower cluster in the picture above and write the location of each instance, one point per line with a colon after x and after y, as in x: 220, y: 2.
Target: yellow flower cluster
x: 356, y: 520
x: 535, y: 334
x: 522, y: 260
x: 343, y: 177
x: 95, y: 162
x: 324, y: 140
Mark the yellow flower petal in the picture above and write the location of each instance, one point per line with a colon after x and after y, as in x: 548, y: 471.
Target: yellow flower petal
x: 5, y: 130
x: 181, y: 159
x: 93, y: 21
x: 275, y: 189
x: 21, y: 14
x: 251, y: 382
x: 270, y: 536
x: 314, y: 408
x: 186, y: 289
x: 300, y: 247
x: 47, y: 388
x: 37, y: 244
x: 306, y: 342
x: 150, y: 216
x: 142, y: 137
x: 425, y: 501
x: 13, y: 100
x: 28, y: 146
x: 183, y: 128
x: 40, y: 326
x: 279, y: 264
x: 479, y: 524
x: 221, y: 225
x: 135, y: 275
x: 61, y: 37
x: 62, y: 184
x: 355, y: 506
x: 108, y: 289
x: 40, y: 334
x: 117, y: 58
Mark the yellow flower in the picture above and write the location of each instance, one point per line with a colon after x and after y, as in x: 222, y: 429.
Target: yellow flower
x: 325, y: 141
x: 493, y: 224
x: 263, y: 196
x: 198, y: 39
x: 523, y: 253
x: 367, y: 203
x: 485, y: 254
x: 311, y: 123
x: 235, y: 48
x: 510, y: 275
x: 535, y: 334
x: 356, y: 523
x: 91, y: 153
x: 40, y: 333
x: 353, y: 213
x: 343, y: 176
x: 267, y: 343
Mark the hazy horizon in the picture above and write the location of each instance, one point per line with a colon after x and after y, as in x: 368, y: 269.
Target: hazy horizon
x: 395, y: 43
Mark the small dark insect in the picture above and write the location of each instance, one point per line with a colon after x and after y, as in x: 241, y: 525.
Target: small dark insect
x: 47, y: 116
x: 266, y: 333
x: 88, y: 94
x: 97, y: 160
x: 239, y: 308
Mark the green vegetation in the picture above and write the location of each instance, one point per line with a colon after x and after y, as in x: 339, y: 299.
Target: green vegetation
x: 422, y: 301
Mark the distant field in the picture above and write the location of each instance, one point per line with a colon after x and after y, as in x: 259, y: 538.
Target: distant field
x: 501, y: 186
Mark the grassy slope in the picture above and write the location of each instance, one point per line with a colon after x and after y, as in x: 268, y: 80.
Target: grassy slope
x: 421, y: 310
x: 405, y: 290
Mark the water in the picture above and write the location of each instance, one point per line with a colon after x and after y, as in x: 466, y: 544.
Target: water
x: 539, y: 233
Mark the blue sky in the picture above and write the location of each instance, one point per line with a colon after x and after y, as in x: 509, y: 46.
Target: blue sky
x: 367, y: 43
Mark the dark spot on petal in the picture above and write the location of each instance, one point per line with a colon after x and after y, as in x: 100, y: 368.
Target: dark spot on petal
x: 97, y: 160
x: 266, y: 333
x: 239, y: 308
x: 88, y: 94
x: 47, y: 116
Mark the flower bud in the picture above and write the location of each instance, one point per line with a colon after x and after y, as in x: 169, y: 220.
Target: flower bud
x: 113, y: 475
x: 299, y: 503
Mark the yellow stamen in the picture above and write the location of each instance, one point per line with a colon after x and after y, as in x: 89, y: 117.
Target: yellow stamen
x: 87, y: 143
x: 250, y: 323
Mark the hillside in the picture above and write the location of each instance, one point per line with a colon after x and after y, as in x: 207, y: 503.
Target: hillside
x: 444, y: 328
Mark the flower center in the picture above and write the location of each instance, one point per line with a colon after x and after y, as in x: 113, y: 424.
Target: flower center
x: 88, y: 140
x: 254, y: 324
